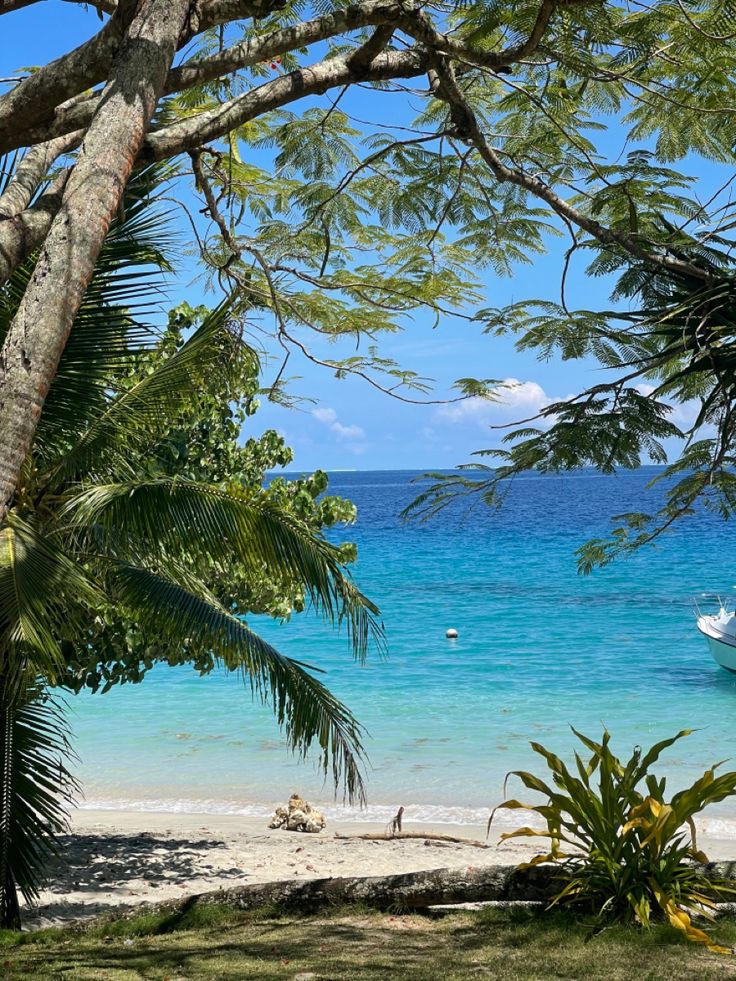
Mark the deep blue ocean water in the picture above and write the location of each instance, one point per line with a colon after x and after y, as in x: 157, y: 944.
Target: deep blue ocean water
x: 540, y: 648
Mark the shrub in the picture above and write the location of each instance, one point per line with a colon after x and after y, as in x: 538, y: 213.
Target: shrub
x: 633, y: 856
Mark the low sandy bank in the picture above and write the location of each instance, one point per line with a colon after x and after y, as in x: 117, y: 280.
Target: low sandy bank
x: 123, y: 858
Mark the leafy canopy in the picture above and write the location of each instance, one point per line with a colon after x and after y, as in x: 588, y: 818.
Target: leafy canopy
x: 123, y: 548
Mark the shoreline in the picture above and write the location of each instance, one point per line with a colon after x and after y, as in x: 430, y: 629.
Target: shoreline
x: 113, y: 860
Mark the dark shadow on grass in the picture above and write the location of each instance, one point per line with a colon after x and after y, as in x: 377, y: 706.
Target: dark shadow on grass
x: 372, y: 947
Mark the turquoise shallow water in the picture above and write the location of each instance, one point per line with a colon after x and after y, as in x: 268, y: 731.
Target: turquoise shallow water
x: 540, y: 648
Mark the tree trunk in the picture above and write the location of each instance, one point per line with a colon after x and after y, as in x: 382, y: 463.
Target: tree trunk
x: 410, y: 890
x: 38, y: 334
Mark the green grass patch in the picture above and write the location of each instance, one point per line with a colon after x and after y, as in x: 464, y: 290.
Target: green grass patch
x: 354, y: 943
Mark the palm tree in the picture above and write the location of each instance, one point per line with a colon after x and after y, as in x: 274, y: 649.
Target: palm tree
x: 90, y: 540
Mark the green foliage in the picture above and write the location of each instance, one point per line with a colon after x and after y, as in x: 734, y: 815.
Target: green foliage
x: 676, y: 351
x: 633, y: 854
x: 35, y: 789
x: 141, y: 532
x: 344, y: 227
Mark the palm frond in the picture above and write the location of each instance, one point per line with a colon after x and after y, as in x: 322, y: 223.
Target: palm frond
x: 110, y: 331
x: 37, y: 580
x: 36, y: 788
x: 134, y: 415
x: 223, y: 523
x: 310, y: 715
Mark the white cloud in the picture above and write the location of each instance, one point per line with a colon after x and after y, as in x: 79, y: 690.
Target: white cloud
x: 512, y: 399
x: 325, y: 415
x: 329, y: 418
x: 347, y: 432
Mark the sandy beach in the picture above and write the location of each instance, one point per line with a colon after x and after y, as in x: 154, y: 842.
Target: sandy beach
x: 119, y: 859
x: 115, y: 859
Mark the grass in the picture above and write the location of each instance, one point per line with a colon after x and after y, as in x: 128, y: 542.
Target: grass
x: 353, y: 943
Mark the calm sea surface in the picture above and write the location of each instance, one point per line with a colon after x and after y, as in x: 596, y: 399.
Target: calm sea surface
x: 539, y: 648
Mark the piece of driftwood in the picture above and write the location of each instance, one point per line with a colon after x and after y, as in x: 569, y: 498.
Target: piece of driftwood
x: 428, y: 835
x: 394, y: 824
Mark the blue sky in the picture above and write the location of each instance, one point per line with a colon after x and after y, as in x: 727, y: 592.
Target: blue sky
x: 350, y: 425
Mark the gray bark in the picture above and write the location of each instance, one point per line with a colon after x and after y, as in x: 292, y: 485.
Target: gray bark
x: 32, y: 171
x: 243, y: 55
x: 34, y: 99
x: 24, y: 233
x: 189, y: 134
x: 409, y: 890
x: 38, y: 334
x: 406, y: 891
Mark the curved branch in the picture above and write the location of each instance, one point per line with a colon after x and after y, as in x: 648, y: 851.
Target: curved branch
x: 189, y: 134
x: 446, y: 88
x: 416, y: 23
x: 34, y: 99
x: 21, y: 235
x: 232, y: 59
x: 32, y: 171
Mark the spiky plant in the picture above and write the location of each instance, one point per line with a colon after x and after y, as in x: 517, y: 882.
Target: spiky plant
x: 626, y: 853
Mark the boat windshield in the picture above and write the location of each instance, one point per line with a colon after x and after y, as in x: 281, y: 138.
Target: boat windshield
x: 714, y: 604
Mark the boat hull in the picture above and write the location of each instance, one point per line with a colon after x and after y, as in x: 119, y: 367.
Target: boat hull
x: 720, y: 632
x: 723, y: 654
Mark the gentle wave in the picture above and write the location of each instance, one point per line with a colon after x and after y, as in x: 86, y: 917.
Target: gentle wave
x: 710, y: 827
x: 420, y: 814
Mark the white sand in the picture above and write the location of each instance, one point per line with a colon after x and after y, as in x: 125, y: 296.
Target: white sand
x: 118, y: 859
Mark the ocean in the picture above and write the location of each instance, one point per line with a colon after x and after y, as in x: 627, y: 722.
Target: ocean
x: 540, y: 648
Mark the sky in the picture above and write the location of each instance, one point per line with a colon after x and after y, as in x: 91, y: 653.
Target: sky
x: 346, y: 424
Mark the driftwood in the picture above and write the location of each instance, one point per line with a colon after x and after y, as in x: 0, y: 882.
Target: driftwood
x: 427, y: 835
x: 394, y: 824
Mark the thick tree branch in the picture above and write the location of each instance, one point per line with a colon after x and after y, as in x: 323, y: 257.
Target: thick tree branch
x: 211, y: 13
x: 367, y: 52
x: 32, y: 171
x: 188, y: 134
x: 22, y: 234
x: 39, y: 331
x: 238, y: 56
x: 35, y: 98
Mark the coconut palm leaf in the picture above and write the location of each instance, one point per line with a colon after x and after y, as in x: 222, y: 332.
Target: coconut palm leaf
x: 227, y: 523
x: 135, y: 414
x: 43, y: 591
x: 108, y: 331
x: 35, y: 789
x: 308, y: 712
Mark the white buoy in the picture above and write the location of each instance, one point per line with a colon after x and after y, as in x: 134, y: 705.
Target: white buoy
x: 451, y: 633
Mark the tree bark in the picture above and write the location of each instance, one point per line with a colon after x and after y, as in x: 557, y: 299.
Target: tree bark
x: 409, y: 890
x: 31, y: 173
x: 38, y: 334
x: 35, y: 98
x: 23, y: 234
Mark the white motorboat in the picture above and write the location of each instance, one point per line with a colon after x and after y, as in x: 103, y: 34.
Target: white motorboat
x: 718, y: 628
